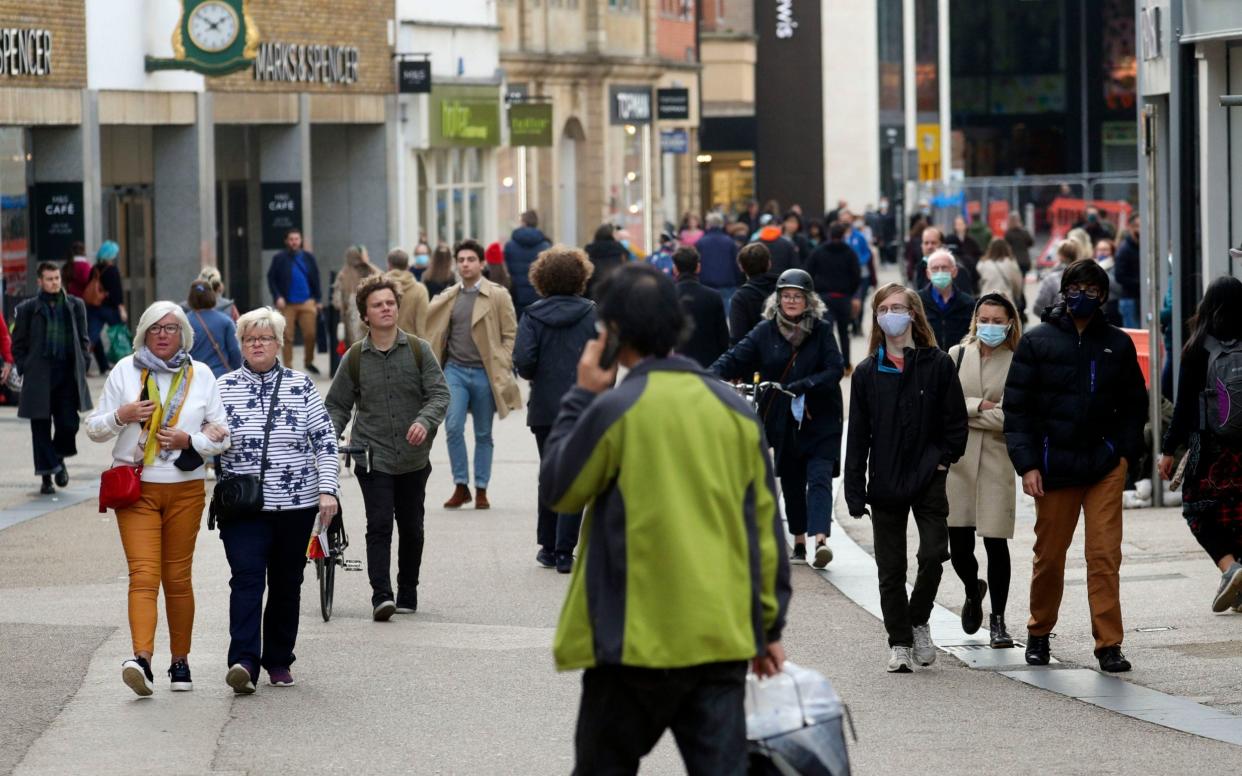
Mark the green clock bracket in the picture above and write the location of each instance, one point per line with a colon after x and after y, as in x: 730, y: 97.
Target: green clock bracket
x: 236, y: 51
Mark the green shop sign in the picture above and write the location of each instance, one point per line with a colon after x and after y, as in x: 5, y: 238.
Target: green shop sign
x: 465, y: 117
x: 530, y: 124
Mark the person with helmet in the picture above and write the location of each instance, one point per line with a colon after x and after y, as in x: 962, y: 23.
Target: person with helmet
x: 793, y: 345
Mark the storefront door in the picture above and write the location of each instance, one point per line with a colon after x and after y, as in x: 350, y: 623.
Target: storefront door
x: 128, y: 220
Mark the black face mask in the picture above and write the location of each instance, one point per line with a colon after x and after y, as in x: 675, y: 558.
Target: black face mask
x: 1083, y: 306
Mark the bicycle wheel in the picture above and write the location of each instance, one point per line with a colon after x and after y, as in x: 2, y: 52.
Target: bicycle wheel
x: 326, y: 570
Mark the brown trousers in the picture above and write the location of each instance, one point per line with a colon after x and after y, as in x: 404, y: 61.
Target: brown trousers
x: 304, y: 316
x: 1056, y: 517
x: 158, y: 534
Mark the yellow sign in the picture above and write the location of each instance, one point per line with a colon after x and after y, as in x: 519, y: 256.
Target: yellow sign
x: 929, y: 152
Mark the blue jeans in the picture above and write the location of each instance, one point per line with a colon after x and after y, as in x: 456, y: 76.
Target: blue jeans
x: 808, y: 497
x: 1129, y: 309
x: 469, y: 390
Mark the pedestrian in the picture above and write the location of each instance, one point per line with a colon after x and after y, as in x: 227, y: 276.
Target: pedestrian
x: 215, y: 334
x: 550, y: 340
x: 1096, y: 228
x: 791, y: 225
x: 1049, y: 292
x: 689, y: 232
x: 1212, y: 493
x: 76, y: 271
x: 794, y: 346
x: 524, y: 246
x: 836, y: 272
x: 440, y: 274
x: 412, y: 312
x: 662, y: 257
x: 966, y: 250
x: 948, y: 309
x: 815, y: 234
x: 1126, y: 273
x: 746, y: 309
x: 1082, y: 240
x: 1020, y: 242
x: 356, y: 268
x: 718, y: 259
x: 916, y: 260
x: 999, y: 272
x: 471, y: 328
x: 1103, y: 255
x: 709, y: 331
x: 422, y: 259
x: 50, y: 353
x: 293, y: 280
x: 685, y: 668
x: 606, y: 255
x: 1075, y: 405
x: 281, y: 432
x: 857, y: 239
x: 907, y: 426
x: 494, y: 266
x: 392, y: 386
x: 164, y: 410
x: 224, y: 303
x: 106, y: 309
x: 980, y: 485
x: 750, y: 216
x: 783, y: 252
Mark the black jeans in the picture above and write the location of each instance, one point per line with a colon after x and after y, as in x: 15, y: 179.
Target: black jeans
x: 931, y: 514
x: 393, y: 498
x: 271, y: 548
x: 840, y: 307
x: 625, y: 710
x: 50, y: 451
x: 555, y: 533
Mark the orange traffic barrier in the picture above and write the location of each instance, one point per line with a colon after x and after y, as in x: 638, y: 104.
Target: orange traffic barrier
x: 1142, y: 344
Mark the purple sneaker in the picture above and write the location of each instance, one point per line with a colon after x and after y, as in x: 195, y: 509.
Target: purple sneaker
x: 279, y: 677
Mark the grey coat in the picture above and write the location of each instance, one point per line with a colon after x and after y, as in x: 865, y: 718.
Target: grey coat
x: 36, y: 371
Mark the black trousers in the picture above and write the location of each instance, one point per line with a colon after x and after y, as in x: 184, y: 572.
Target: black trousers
x: 395, y: 498
x: 841, y: 316
x: 962, y: 548
x: 554, y: 532
x: 625, y: 710
x: 931, y: 514
x: 51, y: 450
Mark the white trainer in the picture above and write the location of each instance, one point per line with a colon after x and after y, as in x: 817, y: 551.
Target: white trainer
x: 924, y: 650
x: 900, y: 661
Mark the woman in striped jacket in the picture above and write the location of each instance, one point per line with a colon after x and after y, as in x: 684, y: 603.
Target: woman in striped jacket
x: 299, y: 485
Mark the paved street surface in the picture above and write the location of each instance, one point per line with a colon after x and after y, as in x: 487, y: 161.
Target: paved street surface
x: 467, y: 685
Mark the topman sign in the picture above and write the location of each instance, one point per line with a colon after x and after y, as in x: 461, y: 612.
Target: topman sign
x: 25, y: 52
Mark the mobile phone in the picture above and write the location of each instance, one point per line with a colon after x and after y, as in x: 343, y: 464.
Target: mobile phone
x: 612, y: 346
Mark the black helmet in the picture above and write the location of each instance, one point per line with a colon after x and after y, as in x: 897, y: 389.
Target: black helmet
x: 796, y: 278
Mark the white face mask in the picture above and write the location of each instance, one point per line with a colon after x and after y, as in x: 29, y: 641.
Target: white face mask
x: 894, y: 324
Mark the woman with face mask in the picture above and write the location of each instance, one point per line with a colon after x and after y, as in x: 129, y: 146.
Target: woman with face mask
x: 907, y: 426
x: 980, y: 485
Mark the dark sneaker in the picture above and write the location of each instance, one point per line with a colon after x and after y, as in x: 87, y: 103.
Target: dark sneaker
x: 62, y: 477
x: 407, y: 607
x: 47, y: 488
x: 1037, y: 650
x: 383, y: 610
x: 972, y: 610
x: 1112, y: 661
x: 799, y: 553
x: 546, y: 558
x: 179, y: 677
x: 311, y: 369
x: 240, y: 678
x: 136, y: 673
x: 823, y: 554
x: 564, y: 562
x: 1230, y: 587
x: 279, y: 677
x: 1000, y: 638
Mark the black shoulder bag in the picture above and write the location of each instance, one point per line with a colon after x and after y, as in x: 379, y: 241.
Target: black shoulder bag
x: 242, y: 494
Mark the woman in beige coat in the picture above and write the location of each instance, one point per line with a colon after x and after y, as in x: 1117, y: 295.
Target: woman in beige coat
x: 999, y: 272
x: 981, y: 485
x: 357, y: 268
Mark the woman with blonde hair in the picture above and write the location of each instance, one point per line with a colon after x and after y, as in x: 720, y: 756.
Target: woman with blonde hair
x: 998, y: 271
x: 907, y: 426
x: 223, y: 304
x: 357, y: 267
x: 981, y: 485
x: 164, y: 411
x: 1082, y: 240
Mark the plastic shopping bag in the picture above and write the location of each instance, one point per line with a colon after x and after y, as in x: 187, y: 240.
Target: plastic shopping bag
x: 119, y: 345
x: 795, y: 725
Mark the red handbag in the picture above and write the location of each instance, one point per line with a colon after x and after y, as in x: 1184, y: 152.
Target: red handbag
x: 120, y: 487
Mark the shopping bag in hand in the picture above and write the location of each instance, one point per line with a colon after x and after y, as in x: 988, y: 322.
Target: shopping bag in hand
x: 794, y: 723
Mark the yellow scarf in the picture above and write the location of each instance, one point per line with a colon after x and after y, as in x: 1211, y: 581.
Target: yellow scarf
x: 175, y: 401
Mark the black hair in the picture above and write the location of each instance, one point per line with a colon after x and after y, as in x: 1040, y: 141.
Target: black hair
x: 639, y: 303
x: 686, y: 260
x: 471, y: 245
x: 1219, y: 313
x: 1086, y: 272
x: 46, y: 266
x: 836, y: 232
x: 294, y: 230
x: 604, y: 232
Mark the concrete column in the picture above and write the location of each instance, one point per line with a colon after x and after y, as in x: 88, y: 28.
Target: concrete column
x: 351, y: 192
x: 185, y: 202
x: 304, y: 164
x: 396, y: 176
x: 92, y: 185
x: 205, y: 160
x: 1213, y: 176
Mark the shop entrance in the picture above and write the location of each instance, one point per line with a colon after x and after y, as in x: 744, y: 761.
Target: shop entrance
x: 233, y: 246
x: 128, y: 219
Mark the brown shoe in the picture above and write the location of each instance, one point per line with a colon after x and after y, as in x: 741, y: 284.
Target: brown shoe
x: 461, y: 495
x: 480, y: 499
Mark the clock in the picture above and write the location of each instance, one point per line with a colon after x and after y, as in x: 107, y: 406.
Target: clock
x: 213, y: 26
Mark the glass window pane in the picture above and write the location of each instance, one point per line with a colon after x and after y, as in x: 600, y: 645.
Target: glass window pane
x: 474, y: 171
x: 475, y: 196
x: 14, y: 211
x: 442, y: 216
x: 459, y: 215
x: 454, y: 167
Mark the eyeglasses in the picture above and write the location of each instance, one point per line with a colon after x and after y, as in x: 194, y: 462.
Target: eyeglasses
x: 1073, y: 292
x: 792, y: 298
x: 250, y: 342
x: 899, y: 309
x: 167, y: 328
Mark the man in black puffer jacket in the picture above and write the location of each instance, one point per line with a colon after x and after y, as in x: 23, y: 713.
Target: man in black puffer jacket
x: 834, y: 268
x: 524, y: 246
x: 746, y: 307
x: 1075, y: 404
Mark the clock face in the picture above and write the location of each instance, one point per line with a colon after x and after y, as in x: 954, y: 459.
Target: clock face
x: 213, y: 26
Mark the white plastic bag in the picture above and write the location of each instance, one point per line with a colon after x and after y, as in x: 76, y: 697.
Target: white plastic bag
x: 793, y: 699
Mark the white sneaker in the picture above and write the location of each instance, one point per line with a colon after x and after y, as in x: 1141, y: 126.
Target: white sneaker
x: 924, y: 650
x: 900, y: 661
x: 823, y: 555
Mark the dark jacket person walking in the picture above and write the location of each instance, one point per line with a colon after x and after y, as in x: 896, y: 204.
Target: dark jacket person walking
x: 709, y: 333
x: 834, y: 268
x: 746, y: 307
x: 683, y: 589
x: 524, y: 246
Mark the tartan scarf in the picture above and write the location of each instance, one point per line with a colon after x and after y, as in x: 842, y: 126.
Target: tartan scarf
x: 57, y: 337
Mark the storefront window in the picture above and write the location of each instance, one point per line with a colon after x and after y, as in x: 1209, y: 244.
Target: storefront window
x: 508, y: 175
x: 14, y: 212
x: 630, y: 204
x: 456, y: 178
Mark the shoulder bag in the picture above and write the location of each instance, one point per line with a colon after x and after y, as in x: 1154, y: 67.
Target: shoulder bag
x: 94, y: 294
x: 224, y: 362
x: 240, y: 495
x: 121, y: 486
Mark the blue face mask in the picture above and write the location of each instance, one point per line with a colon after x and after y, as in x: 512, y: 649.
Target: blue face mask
x: 942, y: 280
x: 1083, y: 306
x: 421, y: 259
x: 992, y: 334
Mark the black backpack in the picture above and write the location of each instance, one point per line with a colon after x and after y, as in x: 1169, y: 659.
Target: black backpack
x: 1222, y: 395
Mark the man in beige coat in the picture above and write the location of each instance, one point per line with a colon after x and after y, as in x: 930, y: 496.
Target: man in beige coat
x: 471, y: 327
x: 412, y: 314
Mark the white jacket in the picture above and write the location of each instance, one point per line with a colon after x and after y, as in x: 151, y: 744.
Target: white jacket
x: 202, y: 405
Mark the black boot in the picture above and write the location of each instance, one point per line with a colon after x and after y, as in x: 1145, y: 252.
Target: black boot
x: 1037, y: 650
x: 48, y: 488
x: 1000, y: 636
x: 972, y: 610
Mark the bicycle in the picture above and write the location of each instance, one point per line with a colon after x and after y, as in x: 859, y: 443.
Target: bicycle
x: 338, y: 541
x: 753, y: 391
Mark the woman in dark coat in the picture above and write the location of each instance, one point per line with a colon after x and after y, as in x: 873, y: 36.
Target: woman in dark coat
x: 794, y: 345
x: 550, y: 339
x: 112, y: 310
x: 606, y: 255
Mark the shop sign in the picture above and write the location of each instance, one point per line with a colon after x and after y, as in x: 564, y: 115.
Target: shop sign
x: 631, y: 105
x: 414, y: 76
x: 673, y: 104
x: 530, y: 124
x: 57, y: 211
x: 25, y: 52
x: 674, y: 141
x: 282, y: 211
x: 296, y: 63
x: 469, y: 121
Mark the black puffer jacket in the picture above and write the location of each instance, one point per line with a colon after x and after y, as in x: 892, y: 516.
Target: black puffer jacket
x: 902, y: 426
x: 1075, y: 403
x: 550, y: 339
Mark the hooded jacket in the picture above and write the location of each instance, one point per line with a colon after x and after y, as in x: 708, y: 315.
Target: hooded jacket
x: 550, y: 339
x: 815, y: 371
x: 746, y: 306
x: 524, y: 246
x: 834, y: 268
x: 1075, y: 404
x: 412, y: 313
x: 606, y: 256
x: 784, y: 252
x: 902, y: 426
x: 709, y: 332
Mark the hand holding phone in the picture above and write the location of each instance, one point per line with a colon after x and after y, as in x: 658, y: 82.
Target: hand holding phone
x: 612, y: 346
x: 597, y: 369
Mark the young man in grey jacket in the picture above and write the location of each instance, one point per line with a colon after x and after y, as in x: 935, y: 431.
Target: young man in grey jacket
x: 395, y: 385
